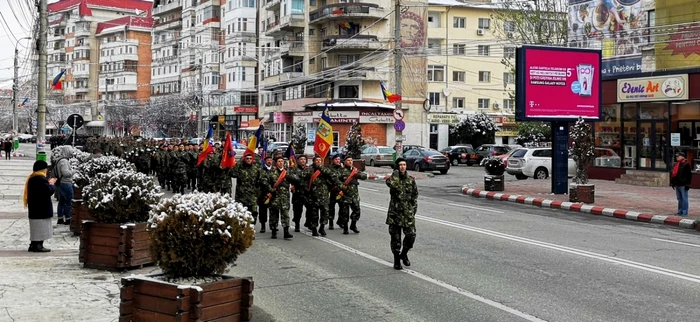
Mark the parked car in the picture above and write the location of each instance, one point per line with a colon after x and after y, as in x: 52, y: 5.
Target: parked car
x: 486, y: 150
x: 534, y: 162
x: 411, y: 147
x: 426, y: 159
x: 277, y: 147
x: 463, y: 154
x: 376, y: 156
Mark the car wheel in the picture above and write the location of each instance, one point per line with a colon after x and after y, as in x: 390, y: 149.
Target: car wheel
x: 520, y: 177
x: 443, y: 171
x: 417, y: 168
x: 455, y: 162
x: 371, y: 163
x: 541, y: 173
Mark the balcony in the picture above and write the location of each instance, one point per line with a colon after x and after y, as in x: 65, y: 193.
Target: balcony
x: 118, y: 87
x: 163, y: 60
x: 82, y: 32
x: 80, y: 73
x: 167, y: 7
x: 54, y: 37
x: 351, y: 42
x: 271, y: 104
x: 347, y: 11
x: 290, y: 75
x: 272, y: 5
x: 81, y: 89
x: 56, y: 50
x: 354, y: 71
x: 292, y: 48
x: 170, y: 24
x: 285, y: 24
x: 241, y: 36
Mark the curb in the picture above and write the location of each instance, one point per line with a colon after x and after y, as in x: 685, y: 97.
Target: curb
x: 590, y: 209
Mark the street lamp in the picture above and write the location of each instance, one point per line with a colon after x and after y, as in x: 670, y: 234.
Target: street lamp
x: 15, y: 87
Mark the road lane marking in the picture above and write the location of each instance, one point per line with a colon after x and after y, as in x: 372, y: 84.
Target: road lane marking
x: 369, y: 189
x: 675, y: 242
x: 476, y: 208
x: 564, y: 249
x: 431, y: 280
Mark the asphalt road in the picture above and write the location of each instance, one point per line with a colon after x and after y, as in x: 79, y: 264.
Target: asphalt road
x: 478, y: 260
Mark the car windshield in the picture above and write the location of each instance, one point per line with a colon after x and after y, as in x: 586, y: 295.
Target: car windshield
x: 519, y: 153
x: 386, y: 150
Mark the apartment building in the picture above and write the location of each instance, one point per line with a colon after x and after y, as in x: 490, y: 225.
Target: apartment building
x: 464, y: 68
x: 329, y: 48
x: 165, y: 65
x: 73, y: 46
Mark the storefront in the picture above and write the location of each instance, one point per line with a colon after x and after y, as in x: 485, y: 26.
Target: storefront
x: 645, y: 121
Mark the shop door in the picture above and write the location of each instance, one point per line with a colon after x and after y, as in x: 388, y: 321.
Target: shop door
x: 652, y: 139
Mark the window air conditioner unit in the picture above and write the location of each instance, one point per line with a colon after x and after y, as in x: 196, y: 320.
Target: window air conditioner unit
x: 480, y: 32
x: 495, y: 106
x: 509, y: 35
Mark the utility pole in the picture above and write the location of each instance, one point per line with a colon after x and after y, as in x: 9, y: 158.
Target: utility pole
x: 200, y: 122
x: 398, y: 56
x: 14, y: 94
x: 41, y: 91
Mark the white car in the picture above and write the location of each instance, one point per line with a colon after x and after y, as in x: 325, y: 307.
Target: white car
x: 534, y: 162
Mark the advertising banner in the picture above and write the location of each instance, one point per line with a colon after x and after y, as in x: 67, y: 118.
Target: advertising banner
x: 677, y: 34
x: 618, y: 27
x: 659, y: 88
x: 557, y: 84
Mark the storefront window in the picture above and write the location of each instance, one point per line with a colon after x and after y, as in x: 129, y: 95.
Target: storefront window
x: 685, y: 132
x: 629, y: 136
x: 653, y: 135
x: 608, y: 144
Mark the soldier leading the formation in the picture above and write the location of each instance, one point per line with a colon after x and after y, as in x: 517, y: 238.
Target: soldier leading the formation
x: 401, y: 216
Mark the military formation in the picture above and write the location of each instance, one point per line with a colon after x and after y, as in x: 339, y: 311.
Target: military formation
x: 270, y: 186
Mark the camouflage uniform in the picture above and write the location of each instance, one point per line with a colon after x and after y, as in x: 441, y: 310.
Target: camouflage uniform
x: 350, y: 200
x: 192, y: 171
x: 402, y: 214
x: 279, y: 200
x: 248, y: 181
x: 209, y: 173
x: 318, y: 196
x: 333, y: 199
x: 299, y: 196
x: 161, y: 160
x: 179, y: 170
x: 262, y: 195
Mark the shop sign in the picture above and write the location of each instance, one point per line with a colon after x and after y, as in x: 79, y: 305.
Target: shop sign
x: 282, y: 118
x: 245, y: 109
x: 340, y: 121
x: 254, y: 123
x: 336, y: 116
x: 244, y: 125
x: 376, y: 117
x: 675, y: 139
x: 443, y: 118
x: 507, y: 133
x: 657, y: 88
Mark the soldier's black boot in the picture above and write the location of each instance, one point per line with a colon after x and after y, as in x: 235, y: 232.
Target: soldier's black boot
x: 345, y: 229
x: 330, y: 225
x: 287, y: 235
x: 404, y: 257
x: 274, y: 234
x: 314, y: 232
x: 322, y: 231
x: 397, y: 261
x: 262, y: 228
x: 296, y: 226
x: 353, y: 227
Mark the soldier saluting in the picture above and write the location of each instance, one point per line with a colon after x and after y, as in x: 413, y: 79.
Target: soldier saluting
x: 402, y: 212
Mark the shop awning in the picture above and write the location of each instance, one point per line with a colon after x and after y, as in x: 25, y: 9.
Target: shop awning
x: 349, y: 103
x: 96, y: 124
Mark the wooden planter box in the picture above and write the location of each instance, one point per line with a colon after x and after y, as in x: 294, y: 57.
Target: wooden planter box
x: 79, y: 212
x: 114, y: 246
x: 582, y: 193
x: 144, y: 298
x: 494, y: 183
x: 77, y: 193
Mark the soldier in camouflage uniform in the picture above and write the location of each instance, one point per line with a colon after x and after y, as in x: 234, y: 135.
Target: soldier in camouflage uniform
x: 209, y: 172
x: 279, y: 197
x: 161, y: 161
x: 402, y: 212
x: 179, y: 168
x: 262, y: 207
x: 350, y: 199
x: 299, y: 192
x: 337, y: 169
x: 192, y: 171
x: 318, y: 179
x: 249, y: 177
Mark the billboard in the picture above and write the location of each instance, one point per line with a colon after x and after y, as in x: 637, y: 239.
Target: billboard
x: 676, y: 34
x: 618, y: 27
x: 557, y: 84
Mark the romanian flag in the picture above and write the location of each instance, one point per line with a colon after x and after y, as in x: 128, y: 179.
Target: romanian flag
x: 253, y: 143
x: 57, y: 82
x: 264, y: 153
x: 207, y: 147
x: 345, y: 25
x: 324, y: 134
x: 389, y: 96
x: 291, y: 156
x: 228, y: 159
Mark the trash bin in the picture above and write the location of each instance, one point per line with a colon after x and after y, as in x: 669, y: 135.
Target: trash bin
x: 41, y: 156
x: 15, y: 144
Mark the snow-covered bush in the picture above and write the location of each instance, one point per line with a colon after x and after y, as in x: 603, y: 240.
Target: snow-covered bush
x: 582, y: 150
x: 475, y: 129
x: 494, y: 166
x: 78, y: 157
x: 199, y: 234
x: 87, y: 171
x: 121, y: 196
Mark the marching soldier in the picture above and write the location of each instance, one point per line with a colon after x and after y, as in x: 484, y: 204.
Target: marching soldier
x: 350, y: 197
x: 278, y: 197
x: 299, y: 198
x: 337, y: 169
x: 319, y: 178
x: 401, y: 216
x: 262, y: 207
x: 179, y: 169
x: 248, y: 179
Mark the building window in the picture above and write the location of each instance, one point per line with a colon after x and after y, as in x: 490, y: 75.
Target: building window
x: 484, y: 50
x: 324, y: 62
x: 312, y: 61
x: 484, y: 23
x: 349, y: 91
x: 508, y: 104
x: 483, y: 103
x: 347, y: 59
x: 509, y: 26
x: 458, y: 102
x: 458, y: 76
x: 434, y: 47
x: 508, y: 52
x: 436, y: 73
x: 508, y: 78
x: 312, y: 2
x: 312, y: 31
x: 459, y: 49
x: 459, y: 22
x: 434, y: 19
x: 434, y: 98
x: 484, y: 77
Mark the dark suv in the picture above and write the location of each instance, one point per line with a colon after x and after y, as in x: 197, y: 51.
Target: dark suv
x: 487, y: 150
x: 463, y: 154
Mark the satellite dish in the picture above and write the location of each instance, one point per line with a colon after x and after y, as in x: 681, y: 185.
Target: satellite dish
x: 446, y: 91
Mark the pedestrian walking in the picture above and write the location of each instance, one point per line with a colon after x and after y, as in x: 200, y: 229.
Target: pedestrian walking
x: 401, y: 216
x: 681, y: 177
x: 64, y: 176
x: 7, y: 147
x: 37, y: 199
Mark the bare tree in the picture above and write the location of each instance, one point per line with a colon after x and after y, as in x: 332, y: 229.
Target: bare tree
x: 124, y: 115
x: 169, y: 116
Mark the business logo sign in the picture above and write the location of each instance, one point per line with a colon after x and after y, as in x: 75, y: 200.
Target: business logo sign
x: 443, y: 118
x: 658, y: 88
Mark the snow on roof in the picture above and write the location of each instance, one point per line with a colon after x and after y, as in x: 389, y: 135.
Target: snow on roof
x: 125, y: 21
x: 86, y: 5
x: 466, y: 3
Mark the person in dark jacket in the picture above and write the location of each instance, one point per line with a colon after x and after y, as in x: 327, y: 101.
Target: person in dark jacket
x: 681, y: 177
x: 37, y: 199
x: 7, y: 147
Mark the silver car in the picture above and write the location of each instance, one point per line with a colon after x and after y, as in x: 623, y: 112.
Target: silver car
x: 376, y: 156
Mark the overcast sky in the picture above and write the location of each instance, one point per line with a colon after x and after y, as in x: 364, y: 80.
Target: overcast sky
x: 19, y: 23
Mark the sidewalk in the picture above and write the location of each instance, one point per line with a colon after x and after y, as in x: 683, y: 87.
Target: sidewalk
x: 653, y: 203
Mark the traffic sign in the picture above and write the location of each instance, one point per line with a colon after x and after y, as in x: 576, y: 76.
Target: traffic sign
x: 398, y: 114
x: 399, y: 125
x: 75, y: 121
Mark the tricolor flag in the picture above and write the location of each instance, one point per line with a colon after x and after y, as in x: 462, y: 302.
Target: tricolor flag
x: 207, y: 147
x: 324, y: 134
x: 291, y: 156
x: 264, y: 153
x: 253, y: 143
x: 228, y: 159
x: 57, y: 82
x: 24, y: 103
x: 389, y: 96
